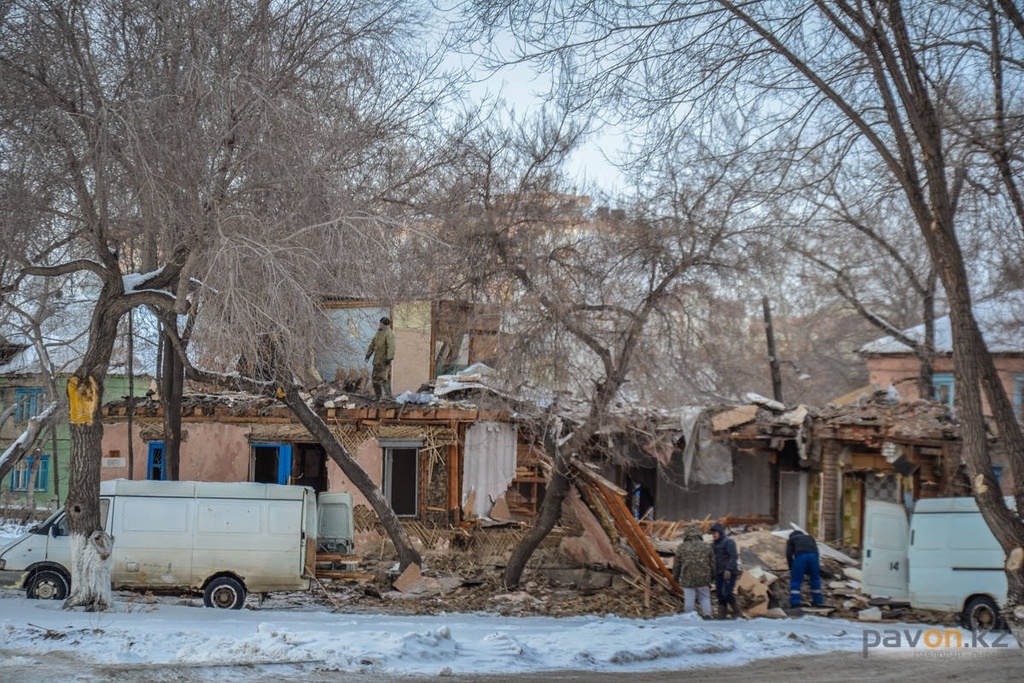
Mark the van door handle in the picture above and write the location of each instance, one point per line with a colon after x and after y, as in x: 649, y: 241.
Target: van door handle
x: 867, y: 553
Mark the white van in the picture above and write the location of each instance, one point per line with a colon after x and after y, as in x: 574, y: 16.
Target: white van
x: 224, y: 539
x: 945, y: 558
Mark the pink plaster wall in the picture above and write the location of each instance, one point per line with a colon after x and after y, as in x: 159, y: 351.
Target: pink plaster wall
x: 209, y: 452
x: 371, y: 458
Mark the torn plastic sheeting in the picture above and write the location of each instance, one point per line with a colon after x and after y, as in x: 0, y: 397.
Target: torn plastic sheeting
x: 489, y: 465
x: 705, y: 461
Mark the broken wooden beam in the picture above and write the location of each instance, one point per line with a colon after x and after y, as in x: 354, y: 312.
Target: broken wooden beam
x: 612, y: 499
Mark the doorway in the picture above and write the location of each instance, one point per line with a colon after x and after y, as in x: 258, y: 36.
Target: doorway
x: 155, y: 469
x: 309, y: 466
x: 401, y: 477
x: 270, y: 463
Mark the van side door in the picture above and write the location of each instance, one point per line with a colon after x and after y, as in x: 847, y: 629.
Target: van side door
x: 152, y: 542
x: 886, y: 542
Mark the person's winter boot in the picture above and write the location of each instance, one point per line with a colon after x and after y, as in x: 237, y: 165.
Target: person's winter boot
x: 736, y: 611
x: 721, y: 611
x: 376, y: 392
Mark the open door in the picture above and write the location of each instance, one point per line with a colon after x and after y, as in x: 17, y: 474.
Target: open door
x: 886, y: 542
x: 271, y: 463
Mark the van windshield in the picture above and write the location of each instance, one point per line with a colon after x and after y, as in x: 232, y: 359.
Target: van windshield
x: 62, y: 523
x: 44, y: 525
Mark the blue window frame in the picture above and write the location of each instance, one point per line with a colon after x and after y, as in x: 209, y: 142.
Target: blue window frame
x: 20, y: 473
x: 155, y: 464
x: 943, y: 387
x: 28, y: 400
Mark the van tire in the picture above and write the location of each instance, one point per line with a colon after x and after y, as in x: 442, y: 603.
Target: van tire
x: 47, y: 584
x: 224, y: 592
x: 980, y: 614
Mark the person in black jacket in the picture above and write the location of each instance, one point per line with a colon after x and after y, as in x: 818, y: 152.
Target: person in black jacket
x: 802, y: 558
x: 726, y: 571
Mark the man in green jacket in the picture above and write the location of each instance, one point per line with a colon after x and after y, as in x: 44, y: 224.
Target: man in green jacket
x: 382, y: 349
x: 694, y: 570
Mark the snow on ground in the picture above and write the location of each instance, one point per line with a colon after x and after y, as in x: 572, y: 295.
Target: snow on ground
x: 140, y: 630
x: 462, y: 644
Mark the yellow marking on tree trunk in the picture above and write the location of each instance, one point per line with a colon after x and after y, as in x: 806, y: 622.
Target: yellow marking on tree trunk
x: 83, y: 397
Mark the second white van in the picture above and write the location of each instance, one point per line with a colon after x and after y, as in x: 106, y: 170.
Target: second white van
x: 943, y: 558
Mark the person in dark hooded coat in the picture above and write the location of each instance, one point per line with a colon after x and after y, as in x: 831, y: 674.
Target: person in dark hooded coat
x: 727, y: 570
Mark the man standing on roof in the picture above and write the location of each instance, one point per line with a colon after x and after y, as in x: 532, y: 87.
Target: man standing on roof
x: 802, y: 558
x: 382, y: 349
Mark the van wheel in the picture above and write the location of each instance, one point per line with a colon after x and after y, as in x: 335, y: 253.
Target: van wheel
x: 981, y: 614
x: 224, y: 592
x: 47, y: 584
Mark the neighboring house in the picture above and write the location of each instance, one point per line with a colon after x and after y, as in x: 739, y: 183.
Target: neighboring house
x: 891, y: 363
x: 884, y: 443
x: 438, y: 460
x: 44, y: 470
x: 876, y: 448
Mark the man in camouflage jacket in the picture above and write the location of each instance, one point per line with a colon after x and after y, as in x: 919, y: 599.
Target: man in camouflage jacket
x: 382, y: 350
x: 694, y: 570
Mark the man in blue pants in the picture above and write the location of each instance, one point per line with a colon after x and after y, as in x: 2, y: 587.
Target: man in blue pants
x: 802, y: 558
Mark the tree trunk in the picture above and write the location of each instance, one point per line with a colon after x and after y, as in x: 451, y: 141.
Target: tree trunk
x: 407, y: 554
x: 172, y: 385
x: 926, y: 350
x: 550, y: 510
x: 90, y: 551
x: 970, y: 363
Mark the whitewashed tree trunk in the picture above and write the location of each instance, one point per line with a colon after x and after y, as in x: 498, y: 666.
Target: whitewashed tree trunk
x: 90, y: 565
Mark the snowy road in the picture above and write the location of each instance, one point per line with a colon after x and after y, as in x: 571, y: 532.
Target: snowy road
x: 156, y: 641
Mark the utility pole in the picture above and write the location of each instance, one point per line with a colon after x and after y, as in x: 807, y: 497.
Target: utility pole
x: 773, y: 361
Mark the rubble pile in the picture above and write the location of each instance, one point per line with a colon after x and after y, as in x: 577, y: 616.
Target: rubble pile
x: 454, y: 581
x: 445, y: 586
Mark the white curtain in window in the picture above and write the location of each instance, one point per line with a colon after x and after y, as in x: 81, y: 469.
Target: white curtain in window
x: 489, y: 465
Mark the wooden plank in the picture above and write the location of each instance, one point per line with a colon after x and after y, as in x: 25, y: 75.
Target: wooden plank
x: 454, y: 477
x: 338, y: 557
x: 733, y: 418
x: 595, y: 478
x: 596, y: 504
x: 615, y: 505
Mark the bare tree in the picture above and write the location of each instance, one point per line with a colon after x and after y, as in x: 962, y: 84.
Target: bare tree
x: 212, y: 135
x: 588, y: 297
x: 868, y: 81
x: 31, y: 308
x: 863, y: 242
